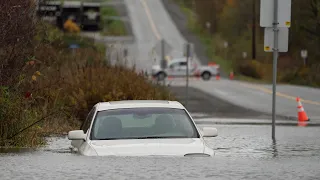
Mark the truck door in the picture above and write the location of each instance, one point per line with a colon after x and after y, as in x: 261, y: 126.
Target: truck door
x: 173, y: 69
x: 182, y: 71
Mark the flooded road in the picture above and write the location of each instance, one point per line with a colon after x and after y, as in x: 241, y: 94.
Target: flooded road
x: 242, y: 152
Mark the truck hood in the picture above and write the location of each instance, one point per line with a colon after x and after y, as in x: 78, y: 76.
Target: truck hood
x: 156, y: 67
x: 148, y: 147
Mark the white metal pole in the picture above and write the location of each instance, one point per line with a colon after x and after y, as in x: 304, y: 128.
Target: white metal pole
x: 275, y: 59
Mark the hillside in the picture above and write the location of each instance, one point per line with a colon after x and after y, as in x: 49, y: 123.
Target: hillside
x: 237, y: 22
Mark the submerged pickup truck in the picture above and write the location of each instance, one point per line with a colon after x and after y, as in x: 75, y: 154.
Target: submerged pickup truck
x: 178, y: 68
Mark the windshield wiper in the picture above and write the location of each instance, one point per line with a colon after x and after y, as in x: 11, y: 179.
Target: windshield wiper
x: 159, y: 137
x: 146, y: 137
x: 109, y: 138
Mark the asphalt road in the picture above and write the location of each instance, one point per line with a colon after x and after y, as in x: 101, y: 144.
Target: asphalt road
x: 203, y: 105
x: 259, y: 97
x: 151, y: 22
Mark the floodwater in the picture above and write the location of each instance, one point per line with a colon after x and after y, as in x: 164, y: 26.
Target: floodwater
x: 242, y: 152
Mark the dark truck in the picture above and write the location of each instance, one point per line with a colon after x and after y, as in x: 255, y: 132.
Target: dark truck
x: 49, y: 10
x: 72, y: 10
x: 84, y: 14
x: 90, y: 15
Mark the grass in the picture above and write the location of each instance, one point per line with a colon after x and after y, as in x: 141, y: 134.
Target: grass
x: 112, y: 27
x: 109, y: 11
x: 248, y: 70
x: 206, y: 39
x: 213, y: 44
x: 49, y: 90
x: 252, y: 80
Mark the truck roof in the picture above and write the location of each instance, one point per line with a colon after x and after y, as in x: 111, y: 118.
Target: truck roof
x: 91, y: 4
x: 71, y: 4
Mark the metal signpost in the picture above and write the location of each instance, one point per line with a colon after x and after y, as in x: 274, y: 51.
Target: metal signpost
x: 187, y: 72
x: 125, y: 55
x: 304, y: 55
x: 275, y: 16
x: 73, y: 47
x: 163, y: 62
x: 244, y: 55
x: 225, y: 45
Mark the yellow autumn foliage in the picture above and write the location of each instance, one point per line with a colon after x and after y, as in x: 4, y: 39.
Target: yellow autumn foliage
x: 71, y: 26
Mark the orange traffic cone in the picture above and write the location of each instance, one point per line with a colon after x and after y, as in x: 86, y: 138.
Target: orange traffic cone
x: 231, y: 75
x: 197, y: 75
x: 302, y: 115
x: 218, y: 77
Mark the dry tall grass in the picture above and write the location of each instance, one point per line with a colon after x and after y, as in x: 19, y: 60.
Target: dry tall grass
x: 47, y: 89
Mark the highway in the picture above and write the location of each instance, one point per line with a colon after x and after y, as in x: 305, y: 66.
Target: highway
x: 151, y: 22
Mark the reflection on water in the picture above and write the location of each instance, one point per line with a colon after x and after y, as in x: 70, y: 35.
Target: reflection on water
x: 241, y: 152
x: 274, y: 147
x: 16, y: 150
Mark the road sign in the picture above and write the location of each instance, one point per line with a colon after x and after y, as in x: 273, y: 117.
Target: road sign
x: 267, y: 13
x: 244, y: 55
x: 188, y: 50
x: 225, y: 44
x: 283, y: 39
x: 73, y: 46
x: 208, y: 25
x: 304, y: 53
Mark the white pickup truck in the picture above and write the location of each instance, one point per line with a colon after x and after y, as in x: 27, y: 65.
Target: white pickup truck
x: 178, y: 68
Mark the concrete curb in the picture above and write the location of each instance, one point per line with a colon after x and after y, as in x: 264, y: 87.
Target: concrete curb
x: 106, y: 39
x: 233, y: 121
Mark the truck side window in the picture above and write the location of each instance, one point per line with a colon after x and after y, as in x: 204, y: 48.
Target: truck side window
x: 174, y: 65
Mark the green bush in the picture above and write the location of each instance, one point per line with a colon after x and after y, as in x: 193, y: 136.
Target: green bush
x: 251, y: 69
x: 301, y: 76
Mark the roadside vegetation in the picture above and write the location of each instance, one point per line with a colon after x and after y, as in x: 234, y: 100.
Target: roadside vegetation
x: 232, y: 21
x: 47, y: 88
x: 112, y: 27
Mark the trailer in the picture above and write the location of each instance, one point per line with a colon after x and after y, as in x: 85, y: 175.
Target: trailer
x: 49, y: 10
x: 91, y: 15
x: 72, y: 10
x: 84, y: 14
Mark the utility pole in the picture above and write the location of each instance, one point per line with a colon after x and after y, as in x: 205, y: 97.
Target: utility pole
x: 194, y: 8
x: 254, y: 29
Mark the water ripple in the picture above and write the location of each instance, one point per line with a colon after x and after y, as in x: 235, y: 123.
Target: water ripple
x: 241, y: 152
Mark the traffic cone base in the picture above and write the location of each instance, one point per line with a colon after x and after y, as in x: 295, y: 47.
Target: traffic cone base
x: 302, y: 123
